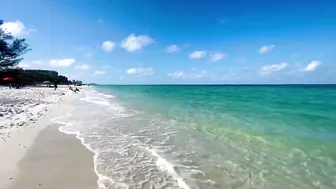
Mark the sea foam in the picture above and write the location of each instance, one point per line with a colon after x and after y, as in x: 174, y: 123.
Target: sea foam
x: 105, y: 181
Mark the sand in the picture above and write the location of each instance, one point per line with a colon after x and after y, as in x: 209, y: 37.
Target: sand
x: 19, y: 107
x: 25, y: 115
x: 56, y: 161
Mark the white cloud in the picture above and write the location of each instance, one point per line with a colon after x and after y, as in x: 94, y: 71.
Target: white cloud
x: 37, y: 64
x: 108, y: 46
x: 82, y: 67
x: 134, y: 43
x: 217, y: 57
x: 265, y: 49
x: 62, y: 62
x: 197, y: 54
x: 269, y: 69
x: 312, y: 66
x: 24, y: 65
x: 98, y: 72
x: 140, y: 71
x: 172, y: 48
x: 16, y: 28
x: 191, y: 75
x: 177, y: 74
x: 194, y: 74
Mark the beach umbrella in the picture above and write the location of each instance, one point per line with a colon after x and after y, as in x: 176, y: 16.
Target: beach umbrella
x: 47, y: 82
x: 8, y: 79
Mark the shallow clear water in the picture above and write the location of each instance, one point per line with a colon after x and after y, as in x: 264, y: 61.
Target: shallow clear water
x: 209, y: 136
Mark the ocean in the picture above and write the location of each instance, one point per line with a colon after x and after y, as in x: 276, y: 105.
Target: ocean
x: 209, y: 137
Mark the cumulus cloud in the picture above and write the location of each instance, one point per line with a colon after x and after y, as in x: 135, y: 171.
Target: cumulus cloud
x: 266, y: 48
x: 172, y: 48
x: 108, y: 46
x: 134, y: 43
x: 16, y: 28
x: 191, y: 75
x: 312, y: 66
x: 176, y: 74
x: 34, y: 64
x: 62, y: 62
x: 269, y: 69
x: 98, y: 72
x: 82, y: 67
x: 24, y: 65
x: 194, y: 74
x: 217, y: 57
x: 197, y: 54
x: 140, y: 71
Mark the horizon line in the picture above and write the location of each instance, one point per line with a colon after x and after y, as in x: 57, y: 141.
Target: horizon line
x: 251, y: 84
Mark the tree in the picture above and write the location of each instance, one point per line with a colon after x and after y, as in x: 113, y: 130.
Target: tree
x: 62, y: 79
x: 11, y: 49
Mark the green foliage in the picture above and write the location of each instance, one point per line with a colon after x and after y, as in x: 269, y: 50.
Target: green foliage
x: 62, y: 79
x: 11, y: 49
x: 23, y: 77
x: 40, y: 77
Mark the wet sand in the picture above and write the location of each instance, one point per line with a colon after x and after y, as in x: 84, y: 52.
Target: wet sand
x: 55, y: 161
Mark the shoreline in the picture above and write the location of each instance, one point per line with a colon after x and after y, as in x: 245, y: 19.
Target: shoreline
x: 20, y: 142
x: 56, y: 160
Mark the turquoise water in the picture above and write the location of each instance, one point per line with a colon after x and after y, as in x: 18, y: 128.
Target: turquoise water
x: 212, y: 136
x: 292, y: 111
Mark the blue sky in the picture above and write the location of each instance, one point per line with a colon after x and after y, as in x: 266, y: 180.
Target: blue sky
x: 172, y: 42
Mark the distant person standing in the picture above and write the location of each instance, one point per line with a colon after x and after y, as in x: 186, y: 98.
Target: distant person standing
x: 55, y: 84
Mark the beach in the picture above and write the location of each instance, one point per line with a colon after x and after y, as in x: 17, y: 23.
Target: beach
x: 56, y: 160
x: 183, y: 137
x: 153, y: 94
x: 33, y: 151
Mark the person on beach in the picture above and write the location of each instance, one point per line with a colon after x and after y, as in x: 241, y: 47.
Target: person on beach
x: 55, y: 84
x: 75, y: 89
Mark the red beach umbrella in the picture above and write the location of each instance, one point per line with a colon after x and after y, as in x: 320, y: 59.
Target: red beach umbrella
x: 8, y: 79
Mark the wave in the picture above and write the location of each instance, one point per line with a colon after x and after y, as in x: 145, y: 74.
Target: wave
x: 96, y: 100
x: 165, y: 165
x: 101, y: 178
x: 72, y: 128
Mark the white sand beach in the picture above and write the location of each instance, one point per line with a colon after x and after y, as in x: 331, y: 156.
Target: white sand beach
x: 24, y: 113
x: 18, y: 107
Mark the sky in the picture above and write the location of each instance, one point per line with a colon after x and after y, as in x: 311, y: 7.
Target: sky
x: 178, y: 42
